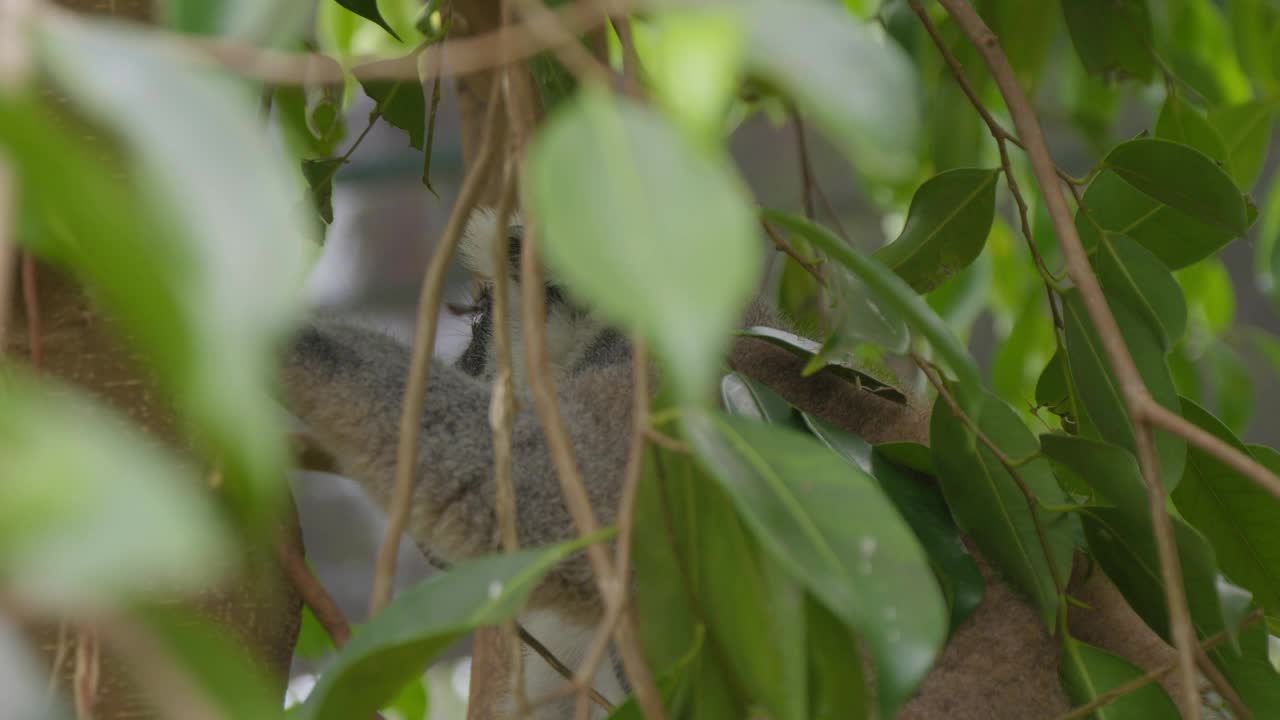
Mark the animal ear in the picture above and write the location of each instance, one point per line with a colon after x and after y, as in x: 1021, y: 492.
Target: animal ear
x: 477, y: 239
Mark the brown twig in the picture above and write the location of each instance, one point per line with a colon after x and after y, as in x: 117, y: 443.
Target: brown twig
x: 615, y: 603
x: 549, y: 29
x: 665, y: 441
x: 415, y: 395
x: 1002, y: 137
x: 1162, y: 417
x: 807, y: 182
x: 781, y: 244
x: 1135, y: 392
x: 630, y: 60
x: 458, y: 57
x: 571, y: 483
x: 88, y: 665
x: 502, y: 410
x: 1138, y: 683
x: 1010, y: 465
x: 292, y: 559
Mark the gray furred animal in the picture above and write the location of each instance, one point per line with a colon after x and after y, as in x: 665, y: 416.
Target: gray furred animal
x: 346, y: 382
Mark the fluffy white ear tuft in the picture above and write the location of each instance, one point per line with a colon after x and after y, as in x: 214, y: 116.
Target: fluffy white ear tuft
x: 476, y: 246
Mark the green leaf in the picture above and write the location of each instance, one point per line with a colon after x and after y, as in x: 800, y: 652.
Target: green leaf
x: 597, y: 172
x: 1111, y: 36
x: 837, y: 685
x: 1021, y: 356
x: 1199, y: 52
x: 673, y: 684
x: 108, y: 516
x: 1110, y: 470
x: 1266, y: 262
x: 843, y: 366
x: 947, y: 226
x: 1053, y: 392
x: 1099, y: 391
x: 1253, y: 22
x: 1174, y: 236
x: 319, y: 175
x: 744, y: 397
x: 962, y: 299
x: 829, y: 525
x: 1089, y: 672
x: 894, y: 292
x: 1233, y: 388
x: 368, y: 9
x: 860, y: 90
x: 274, y: 23
x: 990, y: 507
x: 399, y: 102
x: 232, y: 679
x: 1241, y: 519
x: 858, y: 318
x: 674, y: 510
x: 396, y: 646
x: 1183, y: 124
x: 166, y: 254
x: 695, y: 66
x: 1211, y: 298
x: 1133, y: 274
x: 919, y: 503
x: 1246, y: 130
x: 1183, y: 179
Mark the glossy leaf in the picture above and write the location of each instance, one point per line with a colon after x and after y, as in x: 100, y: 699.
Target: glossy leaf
x: 1182, y: 178
x: 1136, y: 276
x: 1052, y: 389
x: 1180, y: 122
x: 595, y: 173
x: 676, y: 508
x: 1239, y: 518
x: 1088, y: 673
x: 1175, y: 237
x: 844, y: 367
x: 920, y: 504
x: 169, y: 262
x: 109, y: 516
x: 858, y: 317
x: 1253, y: 26
x: 368, y: 9
x: 989, y: 506
x: 1197, y: 49
x: 860, y: 90
x: 829, y: 525
x: 1246, y: 132
x: 837, y: 684
x: 399, y: 102
x: 744, y: 397
x: 1111, y: 36
x: 947, y: 226
x: 1111, y: 470
x: 893, y: 291
x: 395, y: 646
x: 1099, y: 391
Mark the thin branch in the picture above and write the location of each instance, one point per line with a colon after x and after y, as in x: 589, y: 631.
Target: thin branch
x: 615, y: 603
x: 31, y: 301
x: 548, y: 28
x: 88, y: 666
x: 292, y: 559
x: 457, y: 57
x: 1222, y: 685
x: 8, y: 218
x: 781, y: 244
x: 570, y: 687
x: 807, y: 181
x: 1162, y: 417
x: 571, y: 484
x: 502, y: 411
x: 630, y: 60
x: 1135, y: 392
x: 1138, y: 683
x: 415, y: 395
x: 1010, y: 466
x: 1001, y: 137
